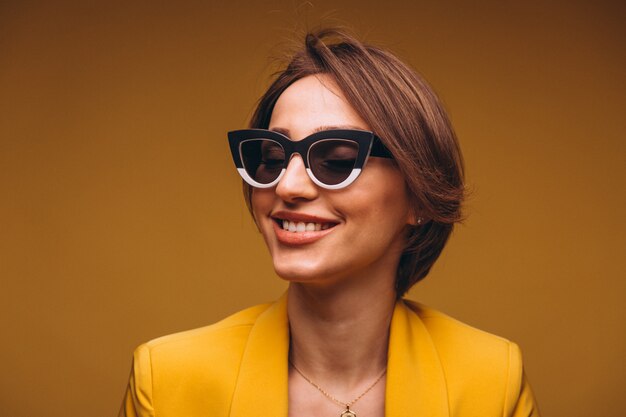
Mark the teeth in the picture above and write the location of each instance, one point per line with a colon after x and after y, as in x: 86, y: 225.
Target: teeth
x: 299, y: 227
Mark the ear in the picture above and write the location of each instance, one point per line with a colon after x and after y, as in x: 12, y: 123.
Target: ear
x: 415, y: 219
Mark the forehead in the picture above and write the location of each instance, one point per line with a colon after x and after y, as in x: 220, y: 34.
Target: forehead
x: 310, y: 103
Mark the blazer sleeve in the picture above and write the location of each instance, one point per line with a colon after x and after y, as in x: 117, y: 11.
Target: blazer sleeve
x: 520, y: 401
x: 138, y: 399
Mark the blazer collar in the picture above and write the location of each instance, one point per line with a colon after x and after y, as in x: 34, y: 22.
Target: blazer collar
x: 261, y: 388
x: 415, y: 380
x: 416, y: 384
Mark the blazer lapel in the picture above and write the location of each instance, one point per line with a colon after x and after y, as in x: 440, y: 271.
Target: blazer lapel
x: 415, y: 381
x: 261, y: 388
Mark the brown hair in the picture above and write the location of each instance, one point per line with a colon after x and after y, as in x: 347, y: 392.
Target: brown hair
x: 403, y: 110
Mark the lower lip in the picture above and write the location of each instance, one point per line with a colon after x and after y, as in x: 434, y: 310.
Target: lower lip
x: 299, y: 238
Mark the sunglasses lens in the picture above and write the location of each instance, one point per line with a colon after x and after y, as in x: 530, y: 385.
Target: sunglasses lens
x: 332, y: 160
x: 263, y: 159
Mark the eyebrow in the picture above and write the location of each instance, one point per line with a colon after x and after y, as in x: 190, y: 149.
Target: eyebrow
x: 322, y: 128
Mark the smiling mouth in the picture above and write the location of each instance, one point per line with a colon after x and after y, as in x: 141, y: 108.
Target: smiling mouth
x: 301, y: 227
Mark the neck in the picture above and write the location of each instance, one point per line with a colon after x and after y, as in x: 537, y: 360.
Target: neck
x: 340, y: 335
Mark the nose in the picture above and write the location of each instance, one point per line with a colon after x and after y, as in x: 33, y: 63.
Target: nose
x: 295, y: 183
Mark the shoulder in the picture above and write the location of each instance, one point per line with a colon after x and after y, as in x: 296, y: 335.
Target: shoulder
x: 451, y: 334
x: 457, y: 341
x: 190, y: 372
x: 476, y: 363
x: 223, y: 331
x: 217, y: 347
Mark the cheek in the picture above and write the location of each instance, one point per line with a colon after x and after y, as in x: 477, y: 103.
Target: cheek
x: 381, y: 198
x: 261, y: 201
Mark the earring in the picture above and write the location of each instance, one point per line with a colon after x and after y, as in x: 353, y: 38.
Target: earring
x: 419, y: 220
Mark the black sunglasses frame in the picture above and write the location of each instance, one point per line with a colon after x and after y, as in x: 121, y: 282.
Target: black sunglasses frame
x: 368, y: 145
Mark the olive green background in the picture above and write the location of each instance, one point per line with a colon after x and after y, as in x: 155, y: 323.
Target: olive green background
x: 121, y: 217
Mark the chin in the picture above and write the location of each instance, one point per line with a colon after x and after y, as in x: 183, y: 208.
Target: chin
x: 300, y: 271
x: 296, y: 274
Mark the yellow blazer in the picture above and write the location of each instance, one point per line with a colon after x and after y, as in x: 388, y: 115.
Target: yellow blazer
x: 237, y: 367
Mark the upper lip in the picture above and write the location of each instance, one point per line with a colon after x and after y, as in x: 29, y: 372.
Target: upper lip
x: 300, y: 217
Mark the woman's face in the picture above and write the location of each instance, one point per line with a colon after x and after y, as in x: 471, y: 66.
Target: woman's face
x: 362, y: 226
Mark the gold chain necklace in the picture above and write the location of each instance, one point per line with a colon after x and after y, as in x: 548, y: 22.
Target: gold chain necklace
x: 347, y: 412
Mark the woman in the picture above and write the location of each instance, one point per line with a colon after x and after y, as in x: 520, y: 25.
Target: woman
x: 352, y: 220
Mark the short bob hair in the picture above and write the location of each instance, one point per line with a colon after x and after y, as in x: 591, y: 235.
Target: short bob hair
x: 403, y: 110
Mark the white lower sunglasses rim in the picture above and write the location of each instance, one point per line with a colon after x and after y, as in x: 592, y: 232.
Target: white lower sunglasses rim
x: 349, y: 180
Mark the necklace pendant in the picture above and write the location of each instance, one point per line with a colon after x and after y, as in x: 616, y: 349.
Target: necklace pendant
x: 348, y: 413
